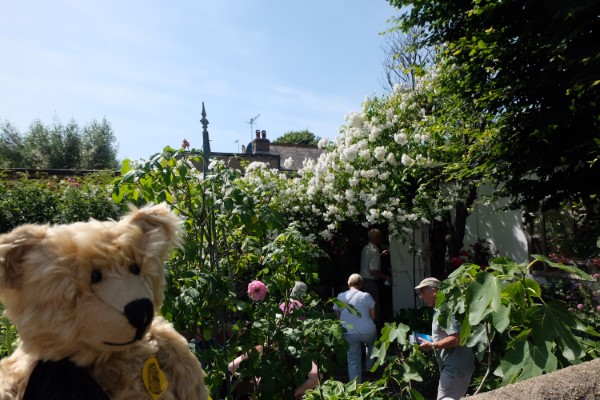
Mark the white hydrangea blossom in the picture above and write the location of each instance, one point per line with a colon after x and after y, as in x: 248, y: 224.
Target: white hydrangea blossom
x: 379, y: 153
x: 323, y: 143
x: 401, y: 138
x: 407, y: 160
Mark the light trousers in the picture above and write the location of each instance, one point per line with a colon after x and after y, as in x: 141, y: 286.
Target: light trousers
x: 356, y: 343
x: 453, y: 387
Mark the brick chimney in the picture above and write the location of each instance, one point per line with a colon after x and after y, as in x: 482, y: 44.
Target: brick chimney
x: 261, y: 144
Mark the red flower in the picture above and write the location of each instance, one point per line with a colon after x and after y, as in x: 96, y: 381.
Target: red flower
x: 457, y: 262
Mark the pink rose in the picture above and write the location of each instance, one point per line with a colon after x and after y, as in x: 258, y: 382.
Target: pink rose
x: 579, y: 306
x: 598, y: 308
x: 290, y: 306
x: 257, y: 290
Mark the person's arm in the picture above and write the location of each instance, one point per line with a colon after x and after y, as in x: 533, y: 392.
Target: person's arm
x: 372, y: 313
x: 380, y: 275
x: 336, y: 308
x: 375, y: 264
x: 446, y: 343
x: 233, y: 366
x: 311, y: 382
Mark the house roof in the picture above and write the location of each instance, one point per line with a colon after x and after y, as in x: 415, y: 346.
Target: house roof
x: 298, y: 153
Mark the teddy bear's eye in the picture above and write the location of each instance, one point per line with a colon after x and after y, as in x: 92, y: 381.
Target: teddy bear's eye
x: 96, y: 276
x: 135, y: 269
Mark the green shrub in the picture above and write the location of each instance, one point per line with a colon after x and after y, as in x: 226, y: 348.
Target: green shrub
x: 28, y: 200
x: 8, y: 336
x: 52, y: 200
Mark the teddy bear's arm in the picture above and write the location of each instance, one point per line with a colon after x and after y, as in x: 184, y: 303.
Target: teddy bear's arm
x: 183, y: 370
x: 62, y: 380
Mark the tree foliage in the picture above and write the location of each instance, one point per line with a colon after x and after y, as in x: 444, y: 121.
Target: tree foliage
x: 58, y: 146
x: 11, y: 146
x: 298, y: 137
x: 404, y: 60
x: 531, y: 68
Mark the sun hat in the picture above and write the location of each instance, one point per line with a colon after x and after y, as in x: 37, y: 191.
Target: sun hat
x: 428, y: 282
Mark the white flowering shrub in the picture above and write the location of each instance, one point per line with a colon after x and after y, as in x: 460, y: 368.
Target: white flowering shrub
x: 387, y: 166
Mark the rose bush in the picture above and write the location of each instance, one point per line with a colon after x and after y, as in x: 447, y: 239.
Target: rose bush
x: 235, y: 232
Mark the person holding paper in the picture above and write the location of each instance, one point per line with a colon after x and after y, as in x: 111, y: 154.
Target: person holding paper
x: 455, y: 362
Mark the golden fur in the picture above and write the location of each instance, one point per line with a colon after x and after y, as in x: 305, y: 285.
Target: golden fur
x: 60, y: 311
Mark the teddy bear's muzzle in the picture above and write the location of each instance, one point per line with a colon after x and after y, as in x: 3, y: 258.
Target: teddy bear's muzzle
x: 139, y: 313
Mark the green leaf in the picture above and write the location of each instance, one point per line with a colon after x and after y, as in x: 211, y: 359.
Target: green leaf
x: 414, y: 393
x: 410, y: 375
x: 515, y: 292
x: 525, y: 361
x: 522, y: 336
x: 484, y: 292
x: 130, y: 176
x: 379, y: 353
x: 465, y: 332
x: 478, y: 337
x: 228, y: 204
x: 348, y: 307
x: 501, y: 318
x: 182, y: 169
x: 505, y: 265
x: 117, y: 194
x: 532, y: 287
x: 552, y: 322
x: 125, y: 166
x: 567, y: 268
x: 399, y: 334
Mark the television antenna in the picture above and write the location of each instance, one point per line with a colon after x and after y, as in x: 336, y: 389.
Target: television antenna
x: 252, y: 122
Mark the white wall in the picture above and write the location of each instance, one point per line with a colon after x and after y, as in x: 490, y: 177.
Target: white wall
x: 408, y: 269
x: 502, y: 229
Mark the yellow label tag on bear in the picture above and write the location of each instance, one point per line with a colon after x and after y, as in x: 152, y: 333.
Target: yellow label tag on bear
x: 154, y: 379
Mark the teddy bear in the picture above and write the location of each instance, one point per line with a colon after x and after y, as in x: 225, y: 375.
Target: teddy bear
x: 84, y: 297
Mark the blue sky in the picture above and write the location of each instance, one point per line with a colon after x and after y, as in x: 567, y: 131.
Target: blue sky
x: 147, y: 66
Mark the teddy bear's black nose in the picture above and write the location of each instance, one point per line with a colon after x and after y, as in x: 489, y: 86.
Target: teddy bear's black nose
x: 139, y: 313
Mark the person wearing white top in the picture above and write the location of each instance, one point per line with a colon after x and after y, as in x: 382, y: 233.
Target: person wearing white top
x: 360, y: 329
x: 370, y: 265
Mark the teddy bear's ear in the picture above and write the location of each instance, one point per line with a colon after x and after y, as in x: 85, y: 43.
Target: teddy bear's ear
x: 13, y: 247
x: 157, y: 219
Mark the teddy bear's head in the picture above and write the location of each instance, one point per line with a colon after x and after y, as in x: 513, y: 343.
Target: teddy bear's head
x: 88, y: 288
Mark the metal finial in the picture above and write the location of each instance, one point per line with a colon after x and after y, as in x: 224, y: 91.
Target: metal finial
x: 205, y: 139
